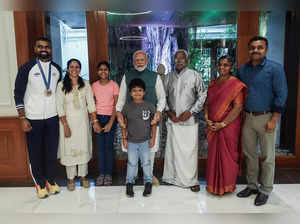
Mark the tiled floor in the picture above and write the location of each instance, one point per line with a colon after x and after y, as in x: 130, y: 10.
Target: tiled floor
x: 168, y: 204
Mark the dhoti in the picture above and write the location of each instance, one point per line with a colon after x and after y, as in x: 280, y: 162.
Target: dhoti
x: 181, y: 157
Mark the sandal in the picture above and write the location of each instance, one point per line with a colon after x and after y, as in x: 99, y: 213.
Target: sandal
x: 155, y: 181
x: 84, y: 182
x: 99, y: 180
x: 71, y: 185
x: 195, y: 188
x: 107, y: 180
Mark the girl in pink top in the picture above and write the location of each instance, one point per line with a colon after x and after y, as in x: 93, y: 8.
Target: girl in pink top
x: 106, y: 94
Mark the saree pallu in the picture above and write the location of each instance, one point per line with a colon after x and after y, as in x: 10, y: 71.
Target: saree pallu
x: 223, y: 145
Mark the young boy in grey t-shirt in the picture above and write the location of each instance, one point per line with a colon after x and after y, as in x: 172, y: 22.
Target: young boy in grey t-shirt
x: 138, y: 131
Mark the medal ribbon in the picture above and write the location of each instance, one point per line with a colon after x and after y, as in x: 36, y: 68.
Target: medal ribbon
x: 47, y: 84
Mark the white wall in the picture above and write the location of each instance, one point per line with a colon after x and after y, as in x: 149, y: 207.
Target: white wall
x: 8, y: 64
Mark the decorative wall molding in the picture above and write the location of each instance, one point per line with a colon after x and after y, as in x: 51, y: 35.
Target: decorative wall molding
x: 8, y: 63
x: 13, y: 153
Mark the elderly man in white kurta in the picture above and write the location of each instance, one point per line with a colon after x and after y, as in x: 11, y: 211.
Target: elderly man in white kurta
x: 155, y: 94
x: 186, y: 94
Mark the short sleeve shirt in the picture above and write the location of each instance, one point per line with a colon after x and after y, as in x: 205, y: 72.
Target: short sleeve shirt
x: 104, y: 95
x: 139, y: 116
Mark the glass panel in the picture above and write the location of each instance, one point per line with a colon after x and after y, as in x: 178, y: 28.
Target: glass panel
x: 68, y: 34
x: 206, y: 36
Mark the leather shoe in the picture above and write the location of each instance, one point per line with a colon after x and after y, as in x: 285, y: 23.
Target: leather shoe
x: 148, y: 189
x: 261, y: 199
x: 129, y: 190
x: 247, y: 192
x: 195, y: 188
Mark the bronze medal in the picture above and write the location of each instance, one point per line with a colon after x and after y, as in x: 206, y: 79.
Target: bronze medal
x: 48, y: 92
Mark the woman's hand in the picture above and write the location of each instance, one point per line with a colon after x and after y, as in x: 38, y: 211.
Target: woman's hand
x: 217, y: 126
x: 107, y: 127
x: 209, y: 123
x: 67, y: 130
x: 97, y: 128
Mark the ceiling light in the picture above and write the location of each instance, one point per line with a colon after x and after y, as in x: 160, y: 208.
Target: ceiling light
x: 133, y: 38
x: 128, y: 13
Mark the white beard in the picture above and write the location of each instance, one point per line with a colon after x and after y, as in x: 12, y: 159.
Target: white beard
x: 140, y: 69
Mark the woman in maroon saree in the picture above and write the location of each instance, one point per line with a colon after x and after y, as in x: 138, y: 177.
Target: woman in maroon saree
x: 223, y: 106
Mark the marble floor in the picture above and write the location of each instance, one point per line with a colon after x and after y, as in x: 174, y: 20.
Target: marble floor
x: 168, y: 204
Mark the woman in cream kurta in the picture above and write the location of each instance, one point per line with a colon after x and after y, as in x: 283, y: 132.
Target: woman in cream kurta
x: 75, y: 102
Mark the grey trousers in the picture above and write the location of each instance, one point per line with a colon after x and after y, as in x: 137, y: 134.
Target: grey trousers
x: 252, y: 133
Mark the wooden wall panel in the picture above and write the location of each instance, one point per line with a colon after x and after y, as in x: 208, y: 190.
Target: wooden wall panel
x: 97, y: 40
x: 13, y: 154
x: 290, y: 129
x: 28, y: 27
x: 248, y: 26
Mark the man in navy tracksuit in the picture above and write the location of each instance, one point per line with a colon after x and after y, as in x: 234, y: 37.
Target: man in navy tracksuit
x: 35, y: 89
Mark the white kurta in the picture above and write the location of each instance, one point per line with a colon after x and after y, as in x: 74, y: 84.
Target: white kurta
x: 185, y: 92
x: 75, y: 105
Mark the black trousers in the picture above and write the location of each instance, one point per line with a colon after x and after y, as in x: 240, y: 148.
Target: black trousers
x: 42, y: 146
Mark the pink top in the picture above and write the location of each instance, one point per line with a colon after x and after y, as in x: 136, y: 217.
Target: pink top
x: 104, y: 95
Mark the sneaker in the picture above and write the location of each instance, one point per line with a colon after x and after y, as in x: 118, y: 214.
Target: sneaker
x: 52, y: 188
x: 41, y: 192
x: 148, y: 189
x: 129, y: 190
x: 71, y: 185
x: 84, y: 182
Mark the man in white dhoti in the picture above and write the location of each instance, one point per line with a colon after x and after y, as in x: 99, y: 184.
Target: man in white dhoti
x: 186, y: 94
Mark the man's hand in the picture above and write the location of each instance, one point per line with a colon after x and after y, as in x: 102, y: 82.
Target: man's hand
x: 157, y: 116
x: 172, y: 116
x: 185, y: 116
x: 153, y: 122
x: 125, y: 143
x: 120, y: 119
x: 151, y: 142
x: 67, y: 131
x: 26, y: 126
x: 271, y: 125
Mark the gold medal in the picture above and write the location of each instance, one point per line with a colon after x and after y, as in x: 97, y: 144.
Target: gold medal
x: 48, y: 92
